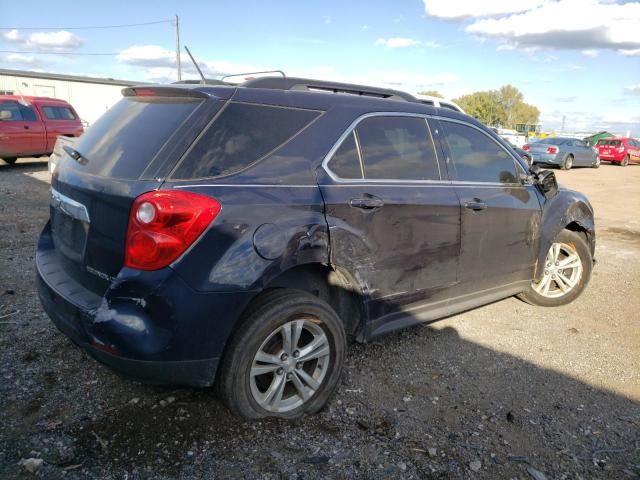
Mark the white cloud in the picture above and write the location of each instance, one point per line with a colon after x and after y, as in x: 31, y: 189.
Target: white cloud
x: 566, y: 24
x: 59, y: 41
x: 21, y: 59
x: 633, y: 89
x: 631, y: 53
x: 54, y: 40
x: 13, y: 36
x: 460, y: 9
x: 147, y: 56
x: 403, y: 42
x: 590, y: 53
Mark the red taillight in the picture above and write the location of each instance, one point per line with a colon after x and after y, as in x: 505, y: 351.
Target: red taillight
x: 163, y: 224
x: 552, y: 150
x: 526, y: 148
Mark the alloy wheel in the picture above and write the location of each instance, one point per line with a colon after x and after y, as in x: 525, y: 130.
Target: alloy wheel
x: 290, y: 365
x: 562, y: 271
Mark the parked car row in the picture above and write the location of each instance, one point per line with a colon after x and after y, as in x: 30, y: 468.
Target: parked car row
x: 29, y: 126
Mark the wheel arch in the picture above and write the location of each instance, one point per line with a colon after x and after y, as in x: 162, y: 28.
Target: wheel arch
x: 333, y: 284
x: 568, y: 210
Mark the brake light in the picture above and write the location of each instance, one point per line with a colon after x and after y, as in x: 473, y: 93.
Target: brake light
x: 526, y: 148
x: 163, y: 224
x: 144, y: 92
x: 552, y: 150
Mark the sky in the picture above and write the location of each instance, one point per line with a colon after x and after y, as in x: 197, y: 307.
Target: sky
x: 573, y: 59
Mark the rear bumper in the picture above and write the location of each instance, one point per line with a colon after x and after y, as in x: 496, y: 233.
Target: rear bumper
x: 150, y: 326
x: 70, y: 320
x: 613, y: 158
x: 546, y: 158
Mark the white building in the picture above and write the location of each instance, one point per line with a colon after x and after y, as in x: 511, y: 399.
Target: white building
x: 90, y: 97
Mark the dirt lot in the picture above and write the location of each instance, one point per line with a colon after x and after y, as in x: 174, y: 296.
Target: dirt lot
x: 504, y: 391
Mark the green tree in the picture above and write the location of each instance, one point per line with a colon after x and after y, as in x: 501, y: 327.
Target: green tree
x: 484, y: 106
x: 432, y: 93
x: 504, y: 107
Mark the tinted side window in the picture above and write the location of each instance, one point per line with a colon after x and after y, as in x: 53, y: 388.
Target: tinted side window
x: 241, y: 135
x: 28, y: 113
x: 10, y: 112
x: 397, y: 148
x: 476, y: 157
x: 345, y: 162
x: 58, y: 113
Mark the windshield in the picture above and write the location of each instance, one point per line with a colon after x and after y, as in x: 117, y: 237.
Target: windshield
x: 552, y: 141
x: 614, y: 143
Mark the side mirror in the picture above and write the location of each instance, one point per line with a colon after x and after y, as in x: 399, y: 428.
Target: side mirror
x: 547, y: 182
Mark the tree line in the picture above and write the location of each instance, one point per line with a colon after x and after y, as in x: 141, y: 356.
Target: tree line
x: 504, y: 107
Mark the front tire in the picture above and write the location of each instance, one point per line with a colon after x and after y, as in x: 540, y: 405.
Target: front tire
x: 568, y: 162
x: 625, y: 161
x: 567, y: 270
x: 286, y: 358
x: 10, y: 160
x: 597, y: 162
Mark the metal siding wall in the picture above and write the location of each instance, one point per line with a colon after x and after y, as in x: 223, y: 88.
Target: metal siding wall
x: 89, y: 99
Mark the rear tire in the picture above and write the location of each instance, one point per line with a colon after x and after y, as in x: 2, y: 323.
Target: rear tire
x: 265, y: 375
x: 625, y: 161
x: 568, y: 162
x: 597, y: 162
x: 559, y: 285
x: 10, y: 160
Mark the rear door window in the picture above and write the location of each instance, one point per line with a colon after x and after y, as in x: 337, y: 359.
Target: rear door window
x: 397, y: 148
x: 58, y: 113
x: 345, y: 163
x: 240, y: 136
x: 476, y: 157
x: 124, y: 141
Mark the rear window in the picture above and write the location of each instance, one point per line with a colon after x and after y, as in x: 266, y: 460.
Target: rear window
x: 613, y: 143
x: 124, y: 141
x: 552, y: 141
x: 240, y: 136
x: 58, y: 113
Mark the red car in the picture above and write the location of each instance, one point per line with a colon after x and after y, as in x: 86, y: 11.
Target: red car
x: 620, y: 150
x: 29, y: 126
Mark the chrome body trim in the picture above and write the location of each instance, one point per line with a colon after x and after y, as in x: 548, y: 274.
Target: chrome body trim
x: 69, y: 206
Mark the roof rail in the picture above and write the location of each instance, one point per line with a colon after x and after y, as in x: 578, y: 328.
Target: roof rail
x: 206, y: 81
x: 253, y: 73
x: 292, y: 83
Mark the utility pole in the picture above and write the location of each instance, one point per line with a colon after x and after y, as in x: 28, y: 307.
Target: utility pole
x: 177, y: 23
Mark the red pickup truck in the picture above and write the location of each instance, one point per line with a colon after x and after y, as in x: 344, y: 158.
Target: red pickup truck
x: 29, y: 126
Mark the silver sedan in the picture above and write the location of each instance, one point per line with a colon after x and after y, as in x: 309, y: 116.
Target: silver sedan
x: 564, y: 152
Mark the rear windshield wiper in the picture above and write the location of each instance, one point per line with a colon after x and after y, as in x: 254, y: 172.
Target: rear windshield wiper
x: 76, y: 155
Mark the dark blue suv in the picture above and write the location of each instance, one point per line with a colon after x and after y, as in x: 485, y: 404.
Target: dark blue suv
x: 238, y: 235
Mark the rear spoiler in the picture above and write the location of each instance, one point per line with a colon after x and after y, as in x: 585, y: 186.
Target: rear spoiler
x: 162, y: 91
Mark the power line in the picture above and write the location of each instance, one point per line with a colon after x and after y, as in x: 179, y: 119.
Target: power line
x: 40, y: 52
x: 93, y: 27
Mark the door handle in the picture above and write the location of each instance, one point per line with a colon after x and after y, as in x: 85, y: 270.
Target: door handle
x: 26, y: 127
x: 368, y: 202
x: 476, y: 205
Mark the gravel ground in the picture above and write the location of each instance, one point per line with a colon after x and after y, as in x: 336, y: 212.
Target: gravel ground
x: 504, y: 391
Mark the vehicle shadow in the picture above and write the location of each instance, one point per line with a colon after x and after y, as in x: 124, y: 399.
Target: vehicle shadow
x: 424, y: 402
x: 25, y: 163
